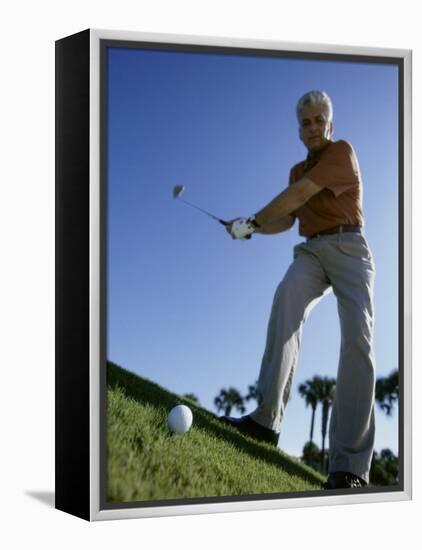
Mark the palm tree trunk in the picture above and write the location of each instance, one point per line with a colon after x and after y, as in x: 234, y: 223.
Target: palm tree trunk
x: 325, y: 409
x: 312, y: 424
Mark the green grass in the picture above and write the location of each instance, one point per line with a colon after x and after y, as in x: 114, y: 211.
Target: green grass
x: 146, y: 462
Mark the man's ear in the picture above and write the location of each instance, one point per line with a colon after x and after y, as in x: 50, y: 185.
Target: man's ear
x: 331, y: 129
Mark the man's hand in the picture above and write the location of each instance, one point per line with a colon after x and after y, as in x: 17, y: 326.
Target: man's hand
x: 229, y: 224
x: 240, y: 228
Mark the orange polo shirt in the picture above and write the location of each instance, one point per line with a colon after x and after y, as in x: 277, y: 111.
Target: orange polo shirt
x: 336, y: 169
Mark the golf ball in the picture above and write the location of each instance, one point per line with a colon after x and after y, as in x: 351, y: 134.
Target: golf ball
x: 180, y: 419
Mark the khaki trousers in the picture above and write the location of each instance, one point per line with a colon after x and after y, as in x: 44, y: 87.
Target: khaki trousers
x: 343, y: 263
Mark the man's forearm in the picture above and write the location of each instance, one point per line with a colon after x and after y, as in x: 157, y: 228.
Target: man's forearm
x: 287, y: 202
x: 277, y: 226
x: 283, y: 204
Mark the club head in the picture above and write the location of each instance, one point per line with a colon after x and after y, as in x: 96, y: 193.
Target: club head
x: 177, y: 191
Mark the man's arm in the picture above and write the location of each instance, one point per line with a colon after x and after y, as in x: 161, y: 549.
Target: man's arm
x: 278, y: 226
x: 295, y: 196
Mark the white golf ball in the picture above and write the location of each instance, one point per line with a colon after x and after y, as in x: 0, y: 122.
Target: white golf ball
x: 180, y: 419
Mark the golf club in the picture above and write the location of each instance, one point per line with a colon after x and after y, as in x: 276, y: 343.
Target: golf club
x: 179, y: 189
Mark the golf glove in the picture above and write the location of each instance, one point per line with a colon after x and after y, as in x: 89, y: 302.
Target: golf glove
x: 242, y: 229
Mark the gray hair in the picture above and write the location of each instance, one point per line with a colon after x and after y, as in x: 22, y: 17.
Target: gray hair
x: 315, y: 97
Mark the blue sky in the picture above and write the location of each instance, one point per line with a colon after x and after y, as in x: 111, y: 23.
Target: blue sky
x: 187, y: 306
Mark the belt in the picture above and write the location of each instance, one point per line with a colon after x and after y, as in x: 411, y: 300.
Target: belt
x: 338, y: 229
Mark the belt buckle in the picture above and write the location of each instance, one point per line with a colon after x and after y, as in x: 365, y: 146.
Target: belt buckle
x: 340, y: 230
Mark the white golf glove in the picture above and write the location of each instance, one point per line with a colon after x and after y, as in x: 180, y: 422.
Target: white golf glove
x: 242, y: 229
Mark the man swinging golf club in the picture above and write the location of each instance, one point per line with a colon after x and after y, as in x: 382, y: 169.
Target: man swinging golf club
x: 325, y: 194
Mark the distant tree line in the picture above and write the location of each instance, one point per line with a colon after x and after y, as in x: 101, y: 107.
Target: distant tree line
x: 230, y: 399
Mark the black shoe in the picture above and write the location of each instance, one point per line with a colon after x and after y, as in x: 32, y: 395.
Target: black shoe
x: 344, y: 480
x: 249, y: 427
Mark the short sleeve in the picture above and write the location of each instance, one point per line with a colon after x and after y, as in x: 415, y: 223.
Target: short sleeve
x: 337, y: 169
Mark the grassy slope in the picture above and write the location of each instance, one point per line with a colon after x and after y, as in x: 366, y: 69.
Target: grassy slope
x: 146, y: 462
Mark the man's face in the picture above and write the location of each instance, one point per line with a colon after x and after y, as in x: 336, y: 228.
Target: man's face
x: 315, y: 131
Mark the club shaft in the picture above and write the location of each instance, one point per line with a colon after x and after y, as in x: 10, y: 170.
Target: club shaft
x: 204, y: 211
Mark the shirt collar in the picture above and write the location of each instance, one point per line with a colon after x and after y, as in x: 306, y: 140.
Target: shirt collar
x: 313, y: 158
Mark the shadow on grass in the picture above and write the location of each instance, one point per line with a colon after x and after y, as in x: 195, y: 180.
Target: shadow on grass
x: 145, y: 391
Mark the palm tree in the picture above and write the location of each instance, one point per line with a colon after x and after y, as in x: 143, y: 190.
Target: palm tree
x: 325, y: 396
x: 227, y: 399
x: 253, y: 393
x: 384, y: 468
x: 387, y: 392
x: 309, y: 390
